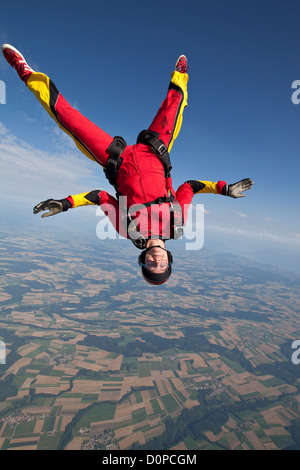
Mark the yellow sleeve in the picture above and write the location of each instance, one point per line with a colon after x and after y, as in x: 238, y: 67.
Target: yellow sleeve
x: 208, y: 187
x: 85, y: 199
x: 199, y: 187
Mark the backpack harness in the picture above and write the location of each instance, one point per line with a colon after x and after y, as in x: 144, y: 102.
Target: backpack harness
x: 114, y: 162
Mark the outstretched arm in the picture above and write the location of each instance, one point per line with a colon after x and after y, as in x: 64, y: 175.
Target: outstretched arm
x: 187, y: 190
x: 108, y: 204
x: 55, y: 206
x: 221, y: 187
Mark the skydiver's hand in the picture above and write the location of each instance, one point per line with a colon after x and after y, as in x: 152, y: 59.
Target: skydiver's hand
x: 236, y: 190
x: 53, y: 206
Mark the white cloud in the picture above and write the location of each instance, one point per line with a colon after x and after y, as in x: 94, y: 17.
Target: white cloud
x: 240, y: 214
x: 3, y: 129
x: 29, y: 174
x: 291, y: 240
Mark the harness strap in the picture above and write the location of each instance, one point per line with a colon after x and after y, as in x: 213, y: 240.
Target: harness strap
x: 158, y: 146
x: 118, y: 145
x: 114, y: 162
x: 158, y: 200
x: 115, y: 151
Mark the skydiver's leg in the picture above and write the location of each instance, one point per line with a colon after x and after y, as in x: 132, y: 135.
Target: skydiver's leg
x: 168, y: 119
x: 88, y: 137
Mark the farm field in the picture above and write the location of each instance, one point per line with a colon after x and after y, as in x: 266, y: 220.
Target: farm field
x: 96, y: 359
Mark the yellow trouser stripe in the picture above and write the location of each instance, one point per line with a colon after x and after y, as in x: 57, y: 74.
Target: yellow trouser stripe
x: 179, y: 79
x: 38, y: 83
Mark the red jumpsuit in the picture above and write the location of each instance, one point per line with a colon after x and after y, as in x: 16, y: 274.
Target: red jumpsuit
x: 141, y: 177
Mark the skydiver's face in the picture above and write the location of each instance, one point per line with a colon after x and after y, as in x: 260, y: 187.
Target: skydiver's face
x: 156, y: 260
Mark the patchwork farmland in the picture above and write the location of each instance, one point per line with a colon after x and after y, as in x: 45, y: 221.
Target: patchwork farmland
x: 97, y: 363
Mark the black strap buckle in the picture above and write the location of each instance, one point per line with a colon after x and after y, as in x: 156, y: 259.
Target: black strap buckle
x: 114, y: 162
x: 162, y: 149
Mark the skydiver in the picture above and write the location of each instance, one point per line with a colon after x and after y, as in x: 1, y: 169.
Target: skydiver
x: 146, y: 210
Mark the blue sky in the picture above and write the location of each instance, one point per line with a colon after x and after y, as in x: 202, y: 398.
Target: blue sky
x: 113, y: 60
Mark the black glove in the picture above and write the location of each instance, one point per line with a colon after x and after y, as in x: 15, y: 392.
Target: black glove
x: 54, y: 206
x: 235, y: 190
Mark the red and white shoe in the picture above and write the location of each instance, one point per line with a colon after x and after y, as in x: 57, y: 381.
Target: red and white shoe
x: 181, y: 64
x: 17, y: 61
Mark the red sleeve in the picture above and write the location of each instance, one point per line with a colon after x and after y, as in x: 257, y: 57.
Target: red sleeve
x: 70, y: 199
x: 184, y: 196
x: 220, y: 186
x: 110, y: 206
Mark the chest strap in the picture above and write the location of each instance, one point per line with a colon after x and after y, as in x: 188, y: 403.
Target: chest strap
x: 159, y: 148
x: 158, y: 200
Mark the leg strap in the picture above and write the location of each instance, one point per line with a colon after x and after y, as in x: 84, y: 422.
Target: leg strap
x: 115, y: 151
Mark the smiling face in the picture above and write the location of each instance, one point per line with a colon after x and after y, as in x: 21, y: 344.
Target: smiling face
x: 156, y: 260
